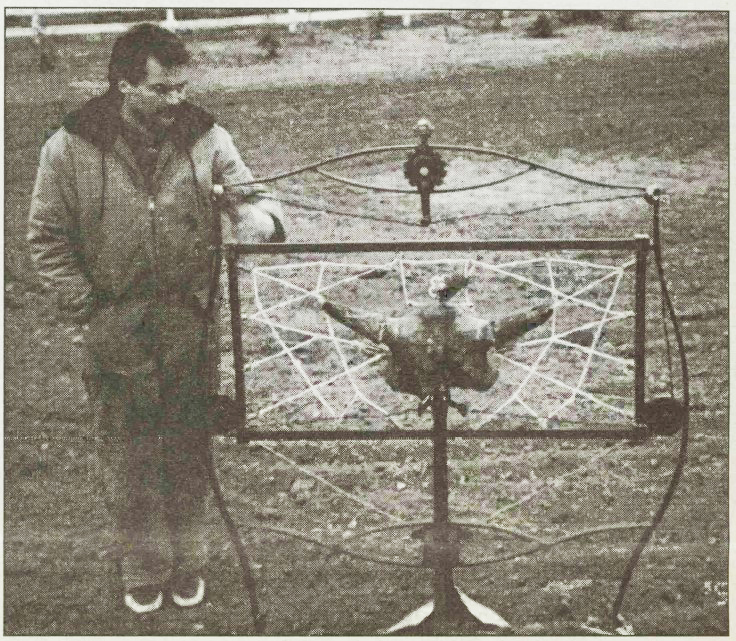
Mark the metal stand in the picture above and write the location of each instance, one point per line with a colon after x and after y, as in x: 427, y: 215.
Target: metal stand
x: 449, y: 606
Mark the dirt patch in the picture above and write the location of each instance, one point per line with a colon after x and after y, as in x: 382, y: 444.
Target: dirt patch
x: 658, y: 117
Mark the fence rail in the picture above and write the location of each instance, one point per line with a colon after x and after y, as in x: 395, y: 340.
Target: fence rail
x: 291, y: 19
x: 69, y: 11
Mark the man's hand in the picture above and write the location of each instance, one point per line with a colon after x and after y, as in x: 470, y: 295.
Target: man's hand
x: 82, y: 310
x: 255, y: 219
x: 73, y: 298
x: 256, y: 223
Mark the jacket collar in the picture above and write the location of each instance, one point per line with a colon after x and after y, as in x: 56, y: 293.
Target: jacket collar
x: 99, y: 121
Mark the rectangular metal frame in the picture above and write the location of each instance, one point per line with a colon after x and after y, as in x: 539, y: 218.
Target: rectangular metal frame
x: 640, y: 245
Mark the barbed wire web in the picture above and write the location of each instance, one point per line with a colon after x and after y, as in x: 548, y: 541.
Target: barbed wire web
x: 567, y: 370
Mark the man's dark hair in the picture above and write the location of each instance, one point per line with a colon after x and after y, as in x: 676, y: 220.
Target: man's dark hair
x: 133, y: 48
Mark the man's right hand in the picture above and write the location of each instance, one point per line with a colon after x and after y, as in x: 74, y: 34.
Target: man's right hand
x: 78, y: 310
x: 74, y: 299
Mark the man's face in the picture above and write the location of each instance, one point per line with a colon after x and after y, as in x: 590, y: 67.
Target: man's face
x: 154, y: 100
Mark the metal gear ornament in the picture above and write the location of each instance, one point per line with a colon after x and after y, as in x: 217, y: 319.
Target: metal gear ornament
x: 424, y: 168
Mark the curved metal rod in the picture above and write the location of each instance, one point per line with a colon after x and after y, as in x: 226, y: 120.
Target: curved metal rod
x: 232, y: 529
x: 449, y: 219
x: 545, y: 545
x: 478, y: 150
x: 523, y: 212
x: 449, y: 190
x: 469, y: 524
x: 334, y: 547
x: 535, y: 165
x: 541, y: 545
x: 335, y: 212
x: 320, y: 163
x: 682, y: 455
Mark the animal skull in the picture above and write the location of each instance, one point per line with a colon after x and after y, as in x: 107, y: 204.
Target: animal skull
x: 440, y: 346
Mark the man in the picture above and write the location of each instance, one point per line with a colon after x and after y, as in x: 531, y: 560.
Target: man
x: 123, y: 231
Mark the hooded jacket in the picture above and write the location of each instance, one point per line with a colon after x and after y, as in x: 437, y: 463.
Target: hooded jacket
x: 98, y: 232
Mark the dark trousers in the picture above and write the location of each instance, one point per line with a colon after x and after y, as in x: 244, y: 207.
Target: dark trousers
x: 148, y: 377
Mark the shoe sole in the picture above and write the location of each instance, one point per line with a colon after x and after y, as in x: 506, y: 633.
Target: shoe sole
x: 184, y: 602
x: 143, y: 608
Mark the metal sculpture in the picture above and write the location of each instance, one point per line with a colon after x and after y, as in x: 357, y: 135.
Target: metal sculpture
x: 425, y: 170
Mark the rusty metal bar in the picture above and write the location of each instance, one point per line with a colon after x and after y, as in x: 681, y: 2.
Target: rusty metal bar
x: 443, y: 587
x: 231, y: 258
x: 424, y: 195
x: 640, y: 326
x: 373, y: 435
x: 511, y: 244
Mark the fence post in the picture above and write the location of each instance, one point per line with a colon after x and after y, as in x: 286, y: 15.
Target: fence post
x: 36, y: 25
x: 170, y: 22
x: 292, y: 20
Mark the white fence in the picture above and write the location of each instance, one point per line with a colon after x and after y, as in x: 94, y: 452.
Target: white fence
x: 291, y: 19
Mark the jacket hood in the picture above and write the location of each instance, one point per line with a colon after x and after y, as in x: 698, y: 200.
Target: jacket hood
x: 99, y: 121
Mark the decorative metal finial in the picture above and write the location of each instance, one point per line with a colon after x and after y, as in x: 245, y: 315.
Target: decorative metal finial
x: 424, y: 130
x: 653, y: 193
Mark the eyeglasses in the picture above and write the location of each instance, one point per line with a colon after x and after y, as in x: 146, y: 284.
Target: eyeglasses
x: 163, y: 90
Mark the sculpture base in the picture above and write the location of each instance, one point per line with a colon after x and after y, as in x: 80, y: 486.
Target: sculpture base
x: 460, y: 610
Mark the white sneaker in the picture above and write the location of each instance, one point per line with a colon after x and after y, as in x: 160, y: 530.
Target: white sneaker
x: 188, y: 592
x: 144, y: 599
